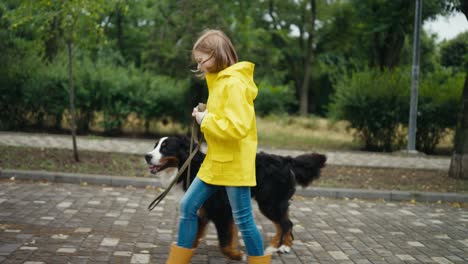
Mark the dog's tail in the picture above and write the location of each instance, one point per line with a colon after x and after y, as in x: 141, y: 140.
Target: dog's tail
x: 306, y: 167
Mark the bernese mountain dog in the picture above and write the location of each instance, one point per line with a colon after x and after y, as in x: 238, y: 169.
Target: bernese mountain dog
x: 277, y: 177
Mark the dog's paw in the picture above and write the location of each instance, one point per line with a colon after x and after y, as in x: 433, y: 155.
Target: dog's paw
x: 270, y: 250
x: 244, y: 258
x: 233, y: 254
x: 284, y: 249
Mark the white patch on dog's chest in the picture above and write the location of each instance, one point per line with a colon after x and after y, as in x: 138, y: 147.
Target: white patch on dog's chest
x: 167, y: 176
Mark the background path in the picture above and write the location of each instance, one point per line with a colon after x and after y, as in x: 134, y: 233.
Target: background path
x: 141, y: 146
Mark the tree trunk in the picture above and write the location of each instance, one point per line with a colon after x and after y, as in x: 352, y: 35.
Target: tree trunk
x: 304, y: 93
x: 51, y: 43
x: 459, y: 163
x: 120, y: 37
x: 72, y: 100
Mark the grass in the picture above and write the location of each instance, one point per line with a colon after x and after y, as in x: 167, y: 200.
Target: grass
x: 48, y: 159
x: 118, y: 164
x: 304, y: 133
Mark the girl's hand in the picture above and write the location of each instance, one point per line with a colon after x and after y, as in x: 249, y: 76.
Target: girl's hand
x: 198, y: 115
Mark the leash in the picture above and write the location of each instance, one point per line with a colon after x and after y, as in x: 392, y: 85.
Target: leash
x: 194, y: 138
x: 187, y: 163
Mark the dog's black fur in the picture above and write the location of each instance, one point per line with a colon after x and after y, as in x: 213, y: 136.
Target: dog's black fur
x: 277, y: 177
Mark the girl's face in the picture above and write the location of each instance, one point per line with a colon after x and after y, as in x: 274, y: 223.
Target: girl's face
x: 205, y: 61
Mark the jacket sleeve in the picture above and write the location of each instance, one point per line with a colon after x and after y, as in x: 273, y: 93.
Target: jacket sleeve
x: 235, y: 119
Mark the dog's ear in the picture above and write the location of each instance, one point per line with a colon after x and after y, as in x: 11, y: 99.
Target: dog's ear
x: 307, y: 167
x: 184, y: 142
x: 310, y: 160
x: 156, y: 144
x: 319, y: 159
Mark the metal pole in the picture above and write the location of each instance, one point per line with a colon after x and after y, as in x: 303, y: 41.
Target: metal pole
x: 414, y: 80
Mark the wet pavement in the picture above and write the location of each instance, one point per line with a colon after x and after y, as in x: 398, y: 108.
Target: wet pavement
x: 70, y: 223
x: 47, y: 222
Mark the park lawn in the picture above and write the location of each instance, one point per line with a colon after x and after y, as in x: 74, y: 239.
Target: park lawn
x: 276, y: 131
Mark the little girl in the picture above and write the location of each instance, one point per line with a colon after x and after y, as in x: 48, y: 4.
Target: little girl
x: 230, y: 131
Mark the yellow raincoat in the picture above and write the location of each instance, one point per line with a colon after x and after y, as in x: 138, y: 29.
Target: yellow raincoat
x: 230, y: 128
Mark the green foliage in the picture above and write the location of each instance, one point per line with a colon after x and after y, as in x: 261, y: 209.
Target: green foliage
x: 439, y: 99
x: 100, y: 87
x: 127, y: 27
x: 166, y: 97
x: 46, y: 93
x: 273, y: 99
x: 373, y: 102
x: 117, y: 91
x: 176, y: 27
x: 428, y: 55
x: 20, y: 59
x: 377, y: 105
x: 454, y: 53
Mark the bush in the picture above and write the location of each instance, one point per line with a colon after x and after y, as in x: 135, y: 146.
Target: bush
x: 162, y: 98
x: 453, y: 53
x: 439, y: 99
x: 117, y: 92
x: 373, y: 102
x: 46, y: 94
x: 107, y: 90
x: 273, y: 99
x: 377, y: 104
x: 19, y: 64
x: 34, y: 91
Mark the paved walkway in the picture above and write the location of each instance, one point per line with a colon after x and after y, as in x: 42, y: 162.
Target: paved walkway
x: 69, y: 223
x: 139, y: 146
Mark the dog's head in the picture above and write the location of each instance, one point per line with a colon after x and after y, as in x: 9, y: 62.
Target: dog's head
x: 307, y: 167
x: 166, y: 158
x: 168, y: 153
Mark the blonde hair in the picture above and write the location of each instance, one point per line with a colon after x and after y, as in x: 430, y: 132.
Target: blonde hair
x: 219, y: 46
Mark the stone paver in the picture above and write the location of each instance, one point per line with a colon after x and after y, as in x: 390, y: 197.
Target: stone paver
x: 139, y: 146
x: 59, y: 223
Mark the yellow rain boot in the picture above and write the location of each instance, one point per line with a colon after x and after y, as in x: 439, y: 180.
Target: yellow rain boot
x: 260, y: 259
x: 179, y: 255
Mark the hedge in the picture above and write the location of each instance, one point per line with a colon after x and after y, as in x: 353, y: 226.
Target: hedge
x: 39, y: 96
x: 376, y: 104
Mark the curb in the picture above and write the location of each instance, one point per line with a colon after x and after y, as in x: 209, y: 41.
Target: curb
x: 429, y: 197
x: 338, y: 193
x: 78, y: 178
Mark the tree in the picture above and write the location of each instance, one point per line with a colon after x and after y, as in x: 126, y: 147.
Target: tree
x: 127, y: 26
x: 305, y: 30
x: 19, y: 56
x: 384, y: 25
x: 294, y: 26
x: 459, y: 161
x: 71, y: 19
x: 309, y: 59
x: 453, y: 52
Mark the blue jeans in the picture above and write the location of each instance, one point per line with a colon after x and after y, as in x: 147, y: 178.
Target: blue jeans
x: 239, y: 198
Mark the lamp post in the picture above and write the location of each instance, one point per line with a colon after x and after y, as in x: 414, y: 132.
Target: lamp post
x: 414, y: 80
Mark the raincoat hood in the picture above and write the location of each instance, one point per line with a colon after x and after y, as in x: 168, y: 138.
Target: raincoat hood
x: 243, y: 70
